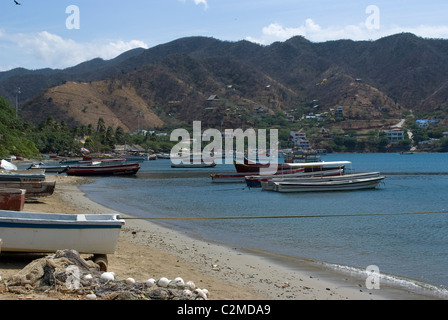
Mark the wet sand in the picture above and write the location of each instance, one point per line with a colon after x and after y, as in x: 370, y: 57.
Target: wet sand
x: 148, y: 250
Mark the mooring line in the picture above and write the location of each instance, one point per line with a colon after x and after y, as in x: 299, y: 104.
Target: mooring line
x: 286, y: 217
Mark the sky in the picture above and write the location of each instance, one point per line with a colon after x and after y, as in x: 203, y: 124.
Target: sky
x: 62, y: 33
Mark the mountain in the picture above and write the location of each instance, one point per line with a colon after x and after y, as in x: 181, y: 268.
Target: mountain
x: 376, y: 82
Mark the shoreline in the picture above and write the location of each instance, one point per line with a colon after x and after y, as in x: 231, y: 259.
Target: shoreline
x: 148, y: 250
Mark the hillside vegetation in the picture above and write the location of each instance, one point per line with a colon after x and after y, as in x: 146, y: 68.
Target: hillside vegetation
x: 242, y: 84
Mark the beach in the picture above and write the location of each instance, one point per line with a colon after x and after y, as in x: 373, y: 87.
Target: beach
x: 148, y: 250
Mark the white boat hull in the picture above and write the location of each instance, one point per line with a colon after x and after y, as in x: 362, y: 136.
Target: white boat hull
x: 339, y: 185
x: 43, y: 233
x: 269, y: 185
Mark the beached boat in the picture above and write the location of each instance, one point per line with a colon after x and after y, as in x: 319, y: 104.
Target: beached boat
x: 47, y: 232
x: 22, y: 175
x: 103, y: 170
x: 49, y: 168
x: 12, y: 199
x: 327, y: 185
x: 33, y: 188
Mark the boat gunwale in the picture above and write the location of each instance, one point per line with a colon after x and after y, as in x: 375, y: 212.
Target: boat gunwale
x: 13, y: 219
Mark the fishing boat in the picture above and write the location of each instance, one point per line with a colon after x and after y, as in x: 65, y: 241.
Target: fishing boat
x: 48, y: 232
x: 228, y: 177
x: 139, y: 157
x: 12, y: 199
x: 194, y: 161
x: 328, y: 185
x: 253, y: 167
x: 163, y: 156
x: 244, y: 176
x: 323, y: 176
x: 33, y: 188
x: 104, y: 169
x: 22, y: 175
x: 193, y: 165
x: 255, y: 181
x: 49, y: 168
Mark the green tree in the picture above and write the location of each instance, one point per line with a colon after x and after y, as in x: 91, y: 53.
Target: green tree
x: 14, y: 136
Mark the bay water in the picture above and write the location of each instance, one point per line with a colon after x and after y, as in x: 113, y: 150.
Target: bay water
x: 411, y: 243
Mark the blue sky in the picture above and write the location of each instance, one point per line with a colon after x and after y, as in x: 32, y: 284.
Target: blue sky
x: 44, y: 33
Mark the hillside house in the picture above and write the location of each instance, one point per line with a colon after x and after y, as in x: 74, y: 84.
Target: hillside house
x: 300, y: 140
x: 426, y: 123
x: 395, y: 135
x: 340, y: 110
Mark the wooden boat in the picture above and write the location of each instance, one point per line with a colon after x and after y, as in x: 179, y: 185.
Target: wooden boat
x: 22, y: 175
x: 49, y: 168
x: 255, y: 181
x: 103, y: 170
x: 163, y: 156
x: 33, y: 188
x: 12, y: 199
x: 136, y: 157
x: 194, y: 163
x: 326, y: 185
x: 244, y: 176
x: 47, y: 232
x: 252, y: 167
x: 269, y: 184
x: 228, y: 177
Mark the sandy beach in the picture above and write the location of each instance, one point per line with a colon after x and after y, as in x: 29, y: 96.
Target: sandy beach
x: 148, y: 250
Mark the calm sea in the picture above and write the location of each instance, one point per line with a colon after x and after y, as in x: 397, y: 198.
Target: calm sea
x: 405, y: 245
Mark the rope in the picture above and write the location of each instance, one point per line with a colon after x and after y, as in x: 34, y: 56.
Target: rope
x: 284, y: 217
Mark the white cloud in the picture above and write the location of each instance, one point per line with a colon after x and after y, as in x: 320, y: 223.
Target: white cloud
x: 198, y: 2
x: 53, y: 51
x: 314, y: 32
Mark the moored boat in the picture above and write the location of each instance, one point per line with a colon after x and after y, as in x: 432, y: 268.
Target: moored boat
x: 103, y: 170
x: 193, y: 165
x: 327, y: 185
x: 269, y: 184
x: 257, y: 180
x: 255, y: 167
x: 252, y: 167
x: 244, y: 176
